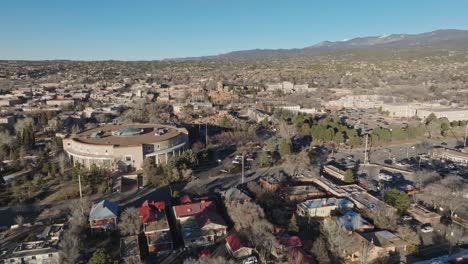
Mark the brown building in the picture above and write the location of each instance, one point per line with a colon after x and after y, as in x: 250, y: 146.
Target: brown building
x: 125, y: 147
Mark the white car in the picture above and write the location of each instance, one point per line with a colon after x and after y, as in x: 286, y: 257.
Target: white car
x: 250, y: 260
x: 427, y: 229
x: 406, y: 218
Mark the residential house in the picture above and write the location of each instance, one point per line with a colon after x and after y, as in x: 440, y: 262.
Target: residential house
x: 199, y: 221
x: 322, y: 207
x: 272, y: 182
x: 352, y: 220
x: 236, y: 248
x: 423, y: 215
x: 129, y: 249
x: 379, y: 243
x: 156, y: 226
x: 300, y: 193
x: 335, y: 172
x: 34, y: 252
x: 103, y: 215
x: 289, y: 250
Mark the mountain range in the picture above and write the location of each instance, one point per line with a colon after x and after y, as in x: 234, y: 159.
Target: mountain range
x: 445, y: 39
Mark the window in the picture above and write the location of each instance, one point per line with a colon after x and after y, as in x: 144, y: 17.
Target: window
x: 51, y: 256
x: 128, y: 158
x: 189, y: 210
x: 198, y: 207
x: 33, y: 257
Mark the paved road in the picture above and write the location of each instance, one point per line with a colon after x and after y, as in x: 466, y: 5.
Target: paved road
x: 136, y: 198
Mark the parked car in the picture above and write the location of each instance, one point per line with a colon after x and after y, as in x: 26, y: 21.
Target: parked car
x: 427, y: 228
x: 250, y: 260
x: 204, y: 253
x: 406, y: 218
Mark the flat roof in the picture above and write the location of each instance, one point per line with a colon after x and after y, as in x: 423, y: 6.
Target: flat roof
x: 147, y: 135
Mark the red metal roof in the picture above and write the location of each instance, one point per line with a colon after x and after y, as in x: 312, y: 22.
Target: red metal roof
x: 290, y: 241
x: 234, y: 242
x: 207, y: 217
x: 149, y: 211
x: 184, y: 210
x: 185, y: 199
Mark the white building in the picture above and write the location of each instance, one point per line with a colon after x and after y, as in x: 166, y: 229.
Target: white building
x: 322, y: 207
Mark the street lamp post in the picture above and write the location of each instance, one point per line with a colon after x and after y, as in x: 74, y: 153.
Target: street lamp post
x: 81, y: 194
x: 243, y: 158
x: 466, y: 134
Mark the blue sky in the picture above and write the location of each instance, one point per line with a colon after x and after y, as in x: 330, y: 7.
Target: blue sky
x: 147, y: 30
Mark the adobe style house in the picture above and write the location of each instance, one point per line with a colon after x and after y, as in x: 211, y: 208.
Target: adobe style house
x: 155, y: 226
x: 103, y: 215
x: 236, y: 248
x: 199, y: 221
x: 322, y: 207
x: 301, y: 193
x: 379, y: 243
x: 352, y: 220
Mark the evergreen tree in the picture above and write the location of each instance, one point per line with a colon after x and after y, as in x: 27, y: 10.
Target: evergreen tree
x: 100, y: 256
x: 293, y: 228
x: 285, y: 148
x: 349, y: 176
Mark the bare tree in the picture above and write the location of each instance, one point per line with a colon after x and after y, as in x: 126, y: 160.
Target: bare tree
x: 249, y: 219
x: 385, y: 217
x: 23, y: 123
x: 319, y: 248
x: 408, y: 234
x: 209, y: 260
x: 129, y: 222
x: 446, y: 194
x: 62, y: 162
x: 424, y: 177
x: 364, y: 252
x: 6, y: 138
x: 19, y: 220
x: 133, y: 260
x: 295, y: 164
x: 69, y: 247
x: 356, y: 221
x: 338, y: 239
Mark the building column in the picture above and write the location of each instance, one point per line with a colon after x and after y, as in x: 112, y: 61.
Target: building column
x: 157, y: 159
x: 166, y: 157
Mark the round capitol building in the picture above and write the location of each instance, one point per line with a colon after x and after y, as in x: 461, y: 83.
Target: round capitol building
x: 125, y: 147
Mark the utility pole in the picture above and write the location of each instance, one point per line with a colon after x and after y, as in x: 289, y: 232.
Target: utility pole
x: 242, y: 181
x: 206, y: 135
x: 366, y: 158
x: 466, y: 134
x: 81, y: 194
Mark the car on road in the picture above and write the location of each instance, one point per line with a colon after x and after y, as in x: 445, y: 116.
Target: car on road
x: 427, y: 228
x: 250, y: 260
x: 406, y: 218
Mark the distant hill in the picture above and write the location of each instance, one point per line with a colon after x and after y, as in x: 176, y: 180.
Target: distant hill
x: 446, y: 38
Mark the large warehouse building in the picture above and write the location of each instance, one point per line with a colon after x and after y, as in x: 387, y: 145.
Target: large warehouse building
x: 125, y: 147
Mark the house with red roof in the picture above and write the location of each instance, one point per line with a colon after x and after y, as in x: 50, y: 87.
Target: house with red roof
x: 199, y: 221
x: 236, y: 248
x: 155, y: 226
x: 189, y: 207
x: 289, y: 248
